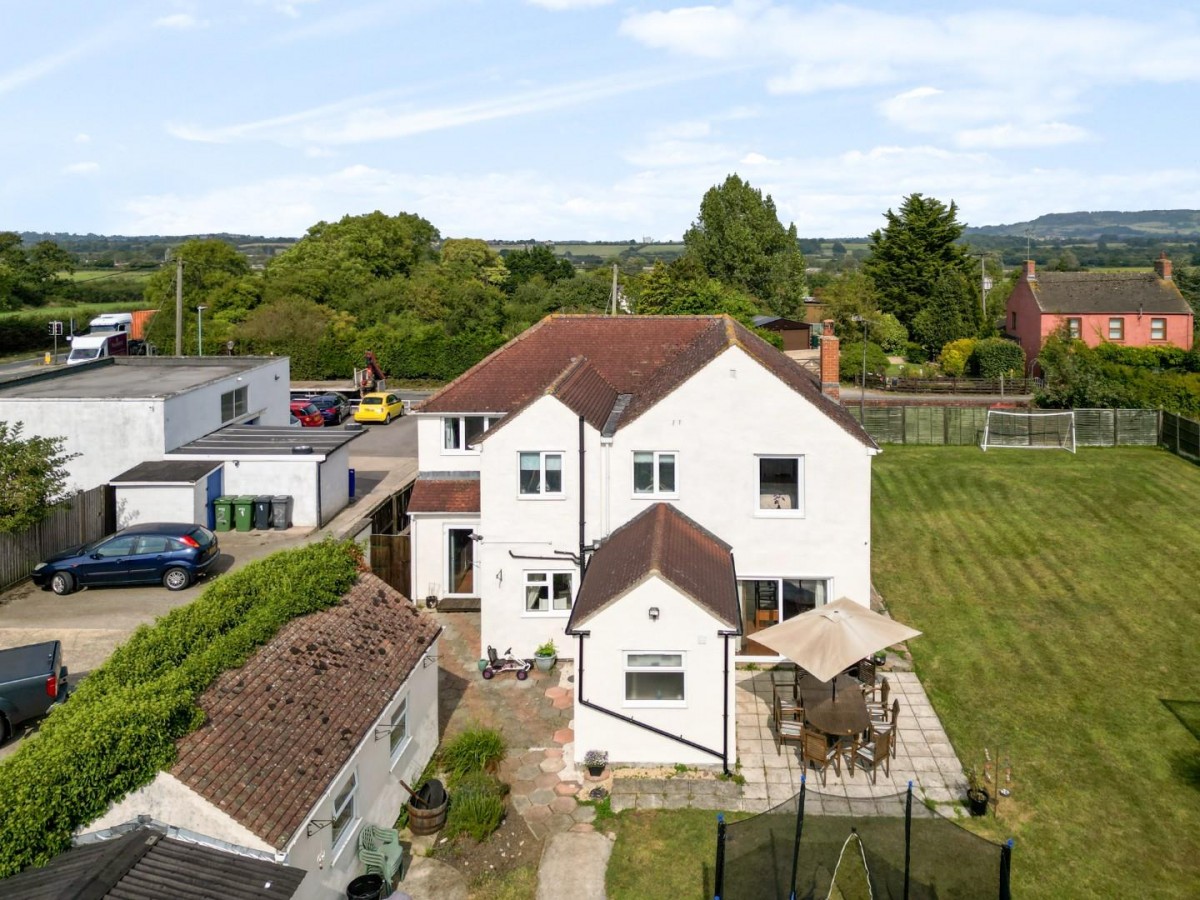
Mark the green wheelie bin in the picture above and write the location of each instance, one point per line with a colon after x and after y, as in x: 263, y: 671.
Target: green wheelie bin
x: 243, y: 513
x: 223, y: 513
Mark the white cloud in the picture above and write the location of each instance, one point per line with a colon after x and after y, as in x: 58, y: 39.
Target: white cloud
x: 755, y: 159
x: 52, y: 62
x: 82, y: 138
x: 559, y: 5
x: 180, y: 22
x: 1009, y: 135
x: 81, y: 168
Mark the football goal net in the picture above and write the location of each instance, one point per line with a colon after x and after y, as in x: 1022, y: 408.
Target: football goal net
x: 1052, y: 430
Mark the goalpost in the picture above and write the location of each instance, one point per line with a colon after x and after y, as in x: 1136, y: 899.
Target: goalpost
x: 1049, y: 430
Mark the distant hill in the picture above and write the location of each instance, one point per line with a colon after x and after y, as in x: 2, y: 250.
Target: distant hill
x: 1180, y: 224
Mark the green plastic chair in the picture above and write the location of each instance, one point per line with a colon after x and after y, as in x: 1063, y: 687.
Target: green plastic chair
x: 380, y: 852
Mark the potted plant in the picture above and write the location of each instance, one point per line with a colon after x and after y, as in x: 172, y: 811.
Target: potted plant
x: 595, y: 760
x: 880, y: 658
x: 978, y: 794
x: 545, y: 656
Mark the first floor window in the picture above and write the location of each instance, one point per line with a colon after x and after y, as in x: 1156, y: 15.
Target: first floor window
x: 779, y: 483
x: 1116, y: 329
x: 1075, y: 328
x: 461, y: 553
x: 460, y: 432
x: 345, y: 809
x: 1158, y: 329
x: 547, y: 592
x: 234, y: 403
x: 541, y: 473
x: 653, y: 472
x: 398, y: 736
x: 654, y: 679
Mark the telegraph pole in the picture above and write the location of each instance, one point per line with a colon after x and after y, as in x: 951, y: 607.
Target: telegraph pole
x: 178, y: 304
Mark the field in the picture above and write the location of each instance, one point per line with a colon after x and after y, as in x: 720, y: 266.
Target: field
x: 80, y: 313
x: 1058, y: 595
x: 114, y: 274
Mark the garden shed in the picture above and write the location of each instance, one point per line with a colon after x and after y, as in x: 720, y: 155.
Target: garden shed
x: 168, y: 491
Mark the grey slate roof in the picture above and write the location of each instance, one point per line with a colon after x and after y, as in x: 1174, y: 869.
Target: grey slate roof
x: 144, y: 863
x: 167, y: 471
x: 1082, y: 293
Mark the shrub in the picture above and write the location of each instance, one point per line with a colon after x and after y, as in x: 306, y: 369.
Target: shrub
x: 994, y: 357
x: 474, y: 751
x: 915, y: 353
x: 851, y: 362
x: 890, y: 333
x: 120, y: 726
x: 954, y: 356
x: 476, y: 806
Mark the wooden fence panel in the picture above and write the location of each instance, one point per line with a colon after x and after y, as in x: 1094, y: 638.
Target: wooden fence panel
x: 1181, y: 436
x: 75, y: 521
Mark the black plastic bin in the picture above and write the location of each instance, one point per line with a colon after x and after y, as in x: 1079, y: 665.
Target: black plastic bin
x: 365, y: 887
x: 281, y: 512
x: 262, y: 513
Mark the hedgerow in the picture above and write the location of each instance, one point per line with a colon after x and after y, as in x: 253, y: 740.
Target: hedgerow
x: 119, y: 728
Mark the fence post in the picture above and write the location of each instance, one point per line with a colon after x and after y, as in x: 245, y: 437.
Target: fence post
x: 1116, y: 428
x: 904, y: 424
x: 907, y: 836
x: 719, y: 874
x: 796, y: 843
x: 1005, y: 870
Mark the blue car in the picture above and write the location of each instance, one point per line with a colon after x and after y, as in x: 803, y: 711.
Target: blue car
x: 171, y: 554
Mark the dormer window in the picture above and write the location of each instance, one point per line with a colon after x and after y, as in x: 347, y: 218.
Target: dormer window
x: 460, y: 432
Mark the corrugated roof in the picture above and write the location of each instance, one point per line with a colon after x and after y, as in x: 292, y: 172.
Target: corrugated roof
x: 144, y: 863
x: 268, y: 440
x: 645, y: 357
x: 456, y: 492
x: 280, y: 728
x: 1102, y: 292
x: 661, y: 541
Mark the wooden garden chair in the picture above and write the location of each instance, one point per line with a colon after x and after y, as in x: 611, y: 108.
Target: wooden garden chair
x: 888, y: 726
x: 866, y: 675
x: 816, y: 752
x: 879, y: 709
x: 872, y: 754
x: 380, y: 852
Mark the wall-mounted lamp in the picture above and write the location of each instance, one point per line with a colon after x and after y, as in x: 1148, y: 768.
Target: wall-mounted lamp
x: 654, y: 614
x: 476, y: 537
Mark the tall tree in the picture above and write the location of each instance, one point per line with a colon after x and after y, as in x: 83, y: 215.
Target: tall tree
x: 524, y: 265
x: 739, y: 240
x: 33, y: 472
x: 681, y: 289
x: 913, y: 252
x: 948, y: 315
x: 30, y: 277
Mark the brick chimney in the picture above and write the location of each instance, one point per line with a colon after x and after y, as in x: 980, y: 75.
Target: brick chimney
x: 830, y: 355
x: 1030, y: 273
x: 1162, y: 266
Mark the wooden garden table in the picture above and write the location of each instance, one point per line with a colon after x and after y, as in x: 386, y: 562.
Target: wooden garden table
x: 844, y: 716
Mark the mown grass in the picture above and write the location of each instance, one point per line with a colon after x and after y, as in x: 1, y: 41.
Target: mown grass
x: 1058, y: 599
x: 663, y: 854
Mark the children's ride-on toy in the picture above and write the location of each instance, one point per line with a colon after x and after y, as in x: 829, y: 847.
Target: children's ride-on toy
x: 505, y: 663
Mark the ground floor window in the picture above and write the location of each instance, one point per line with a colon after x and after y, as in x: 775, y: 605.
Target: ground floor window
x: 654, y: 679
x: 548, y: 592
x: 345, y: 809
x: 461, y: 555
x: 766, y: 601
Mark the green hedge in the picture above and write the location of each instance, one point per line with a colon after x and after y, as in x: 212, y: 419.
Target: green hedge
x: 119, y: 728
x: 993, y: 357
x: 851, y: 362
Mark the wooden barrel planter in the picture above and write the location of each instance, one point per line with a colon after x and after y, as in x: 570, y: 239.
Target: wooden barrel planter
x: 429, y: 816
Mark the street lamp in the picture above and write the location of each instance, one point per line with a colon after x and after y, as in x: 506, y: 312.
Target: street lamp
x: 200, y: 329
x: 862, y: 393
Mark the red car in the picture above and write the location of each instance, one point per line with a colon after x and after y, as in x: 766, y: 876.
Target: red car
x: 308, y: 414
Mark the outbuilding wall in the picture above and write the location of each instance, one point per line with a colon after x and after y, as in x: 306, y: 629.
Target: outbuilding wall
x: 195, y: 413
x: 297, y: 476
x: 334, y: 475
x: 137, y: 503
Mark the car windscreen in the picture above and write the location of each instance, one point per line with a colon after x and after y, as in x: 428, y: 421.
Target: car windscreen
x: 202, y: 536
x: 372, y: 401
x: 85, y: 352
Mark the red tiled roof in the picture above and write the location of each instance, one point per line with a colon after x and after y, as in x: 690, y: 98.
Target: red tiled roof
x: 452, y: 495
x: 280, y: 728
x: 660, y: 540
x: 646, y: 357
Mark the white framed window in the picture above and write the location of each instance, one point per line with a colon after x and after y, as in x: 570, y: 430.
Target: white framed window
x: 460, y: 432
x: 460, y: 561
x: 655, y: 679
x: 781, y: 485
x: 540, y: 474
x: 234, y: 403
x: 345, y: 812
x: 654, y: 473
x: 1116, y: 329
x: 1158, y: 329
x: 549, y: 592
x: 398, y: 735
x: 1075, y: 328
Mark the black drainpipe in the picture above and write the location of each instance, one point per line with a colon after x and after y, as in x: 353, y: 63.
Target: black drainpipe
x: 582, y: 484
x: 680, y: 739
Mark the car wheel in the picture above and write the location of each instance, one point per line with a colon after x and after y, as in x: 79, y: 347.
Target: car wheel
x: 387, y: 420
x: 176, y: 579
x: 5, y: 731
x: 62, y: 583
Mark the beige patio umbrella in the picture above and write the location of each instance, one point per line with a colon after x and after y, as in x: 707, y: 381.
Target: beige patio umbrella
x: 831, y: 638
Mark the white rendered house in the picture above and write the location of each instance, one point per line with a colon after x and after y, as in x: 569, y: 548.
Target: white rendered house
x: 530, y: 459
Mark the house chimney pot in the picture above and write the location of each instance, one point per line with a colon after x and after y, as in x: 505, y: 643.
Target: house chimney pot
x: 830, y: 356
x: 1030, y: 270
x: 1162, y: 266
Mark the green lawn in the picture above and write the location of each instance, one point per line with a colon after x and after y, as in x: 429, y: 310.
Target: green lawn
x: 1059, y: 599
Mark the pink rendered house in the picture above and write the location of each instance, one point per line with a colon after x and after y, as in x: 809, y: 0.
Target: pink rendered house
x: 1138, y: 310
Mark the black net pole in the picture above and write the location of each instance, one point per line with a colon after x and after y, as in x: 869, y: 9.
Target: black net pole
x: 719, y: 874
x: 1005, y: 868
x: 907, y: 837
x: 796, y: 843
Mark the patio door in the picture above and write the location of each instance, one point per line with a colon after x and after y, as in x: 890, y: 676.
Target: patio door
x: 461, y: 561
x: 767, y: 601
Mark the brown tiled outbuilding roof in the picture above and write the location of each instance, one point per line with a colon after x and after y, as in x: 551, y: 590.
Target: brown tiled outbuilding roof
x: 280, y: 728
x: 644, y: 357
x: 445, y: 492
x: 1100, y: 292
x: 661, y: 541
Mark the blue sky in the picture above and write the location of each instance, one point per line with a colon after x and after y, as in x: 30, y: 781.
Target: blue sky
x: 586, y: 119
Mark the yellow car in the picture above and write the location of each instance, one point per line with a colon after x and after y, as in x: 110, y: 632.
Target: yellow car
x: 379, y: 407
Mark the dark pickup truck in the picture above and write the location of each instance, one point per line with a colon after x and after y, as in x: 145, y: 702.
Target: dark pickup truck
x: 32, y: 679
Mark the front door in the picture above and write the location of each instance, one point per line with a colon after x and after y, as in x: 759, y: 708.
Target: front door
x: 461, y: 562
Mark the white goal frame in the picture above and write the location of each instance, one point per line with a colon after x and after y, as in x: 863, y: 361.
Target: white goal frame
x: 1017, y: 430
